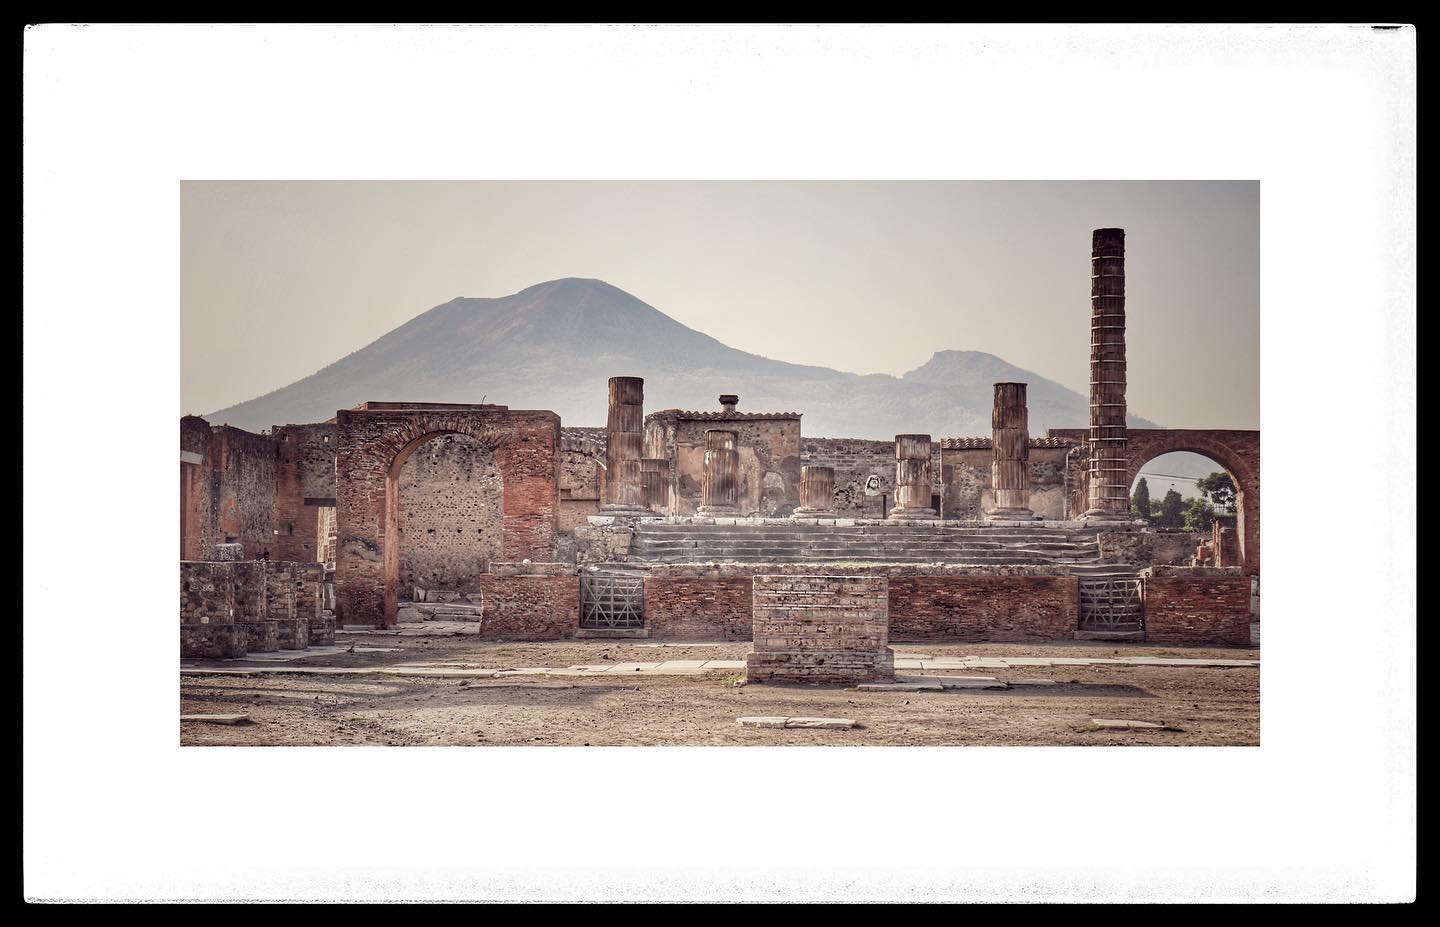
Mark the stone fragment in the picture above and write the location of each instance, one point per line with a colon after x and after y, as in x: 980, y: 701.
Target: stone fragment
x: 762, y: 721
x: 217, y: 719
x: 826, y: 724
x: 1123, y: 725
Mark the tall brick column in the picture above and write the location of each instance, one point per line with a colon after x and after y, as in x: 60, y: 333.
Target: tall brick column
x: 624, y: 433
x: 817, y: 493
x: 720, y: 483
x: 1109, y: 492
x: 1010, y: 469
x: 912, y: 478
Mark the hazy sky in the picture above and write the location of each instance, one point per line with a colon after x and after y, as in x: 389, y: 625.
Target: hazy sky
x: 281, y: 278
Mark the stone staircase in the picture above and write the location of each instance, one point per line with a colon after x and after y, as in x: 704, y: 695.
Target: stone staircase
x: 662, y: 542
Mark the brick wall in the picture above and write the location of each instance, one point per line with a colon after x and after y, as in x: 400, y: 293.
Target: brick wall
x: 451, y: 514
x: 810, y: 628
x: 1197, y: 605
x: 304, y: 481
x: 242, y: 489
x: 980, y: 608
x: 698, y: 608
x: 529, y: 607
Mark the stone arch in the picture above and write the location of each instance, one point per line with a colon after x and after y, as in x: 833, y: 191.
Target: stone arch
x: 1237, y: 452
x: 372, y: 445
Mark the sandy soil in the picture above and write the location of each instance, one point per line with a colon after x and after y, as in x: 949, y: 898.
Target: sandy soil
x: 1211, y: 706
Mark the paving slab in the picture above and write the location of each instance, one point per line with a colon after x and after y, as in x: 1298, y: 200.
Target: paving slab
x: 762, y: 721
x: 1124, y: 725
x: 1033, y: 682
x: 959, y: 682
x: 826, y: 724
x: 900, y: 687
x: 217, y: 719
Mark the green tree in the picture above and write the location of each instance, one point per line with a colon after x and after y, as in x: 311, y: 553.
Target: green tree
x: 1172, y: 510
x: 1140, y: 502
x: 1219, y: 489
x: 1198, y: 515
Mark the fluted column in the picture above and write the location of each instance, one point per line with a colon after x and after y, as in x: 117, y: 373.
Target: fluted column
x: 912, y: 478
x: 624, y: 431
x: 1109, y: 494
x: 817, y: 492
x: 1010, y: 468
x: 720, y: 483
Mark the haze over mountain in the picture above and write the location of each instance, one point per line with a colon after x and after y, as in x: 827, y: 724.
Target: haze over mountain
x: 553, y: 346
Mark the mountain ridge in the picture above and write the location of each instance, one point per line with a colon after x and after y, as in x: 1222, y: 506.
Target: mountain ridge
x: 554, y: 344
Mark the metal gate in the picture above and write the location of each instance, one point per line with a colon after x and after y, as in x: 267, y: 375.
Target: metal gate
x: 1112, y: 604
x: 612, y: 600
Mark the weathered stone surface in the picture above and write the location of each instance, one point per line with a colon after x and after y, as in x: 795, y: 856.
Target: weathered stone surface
x: 217, y: 719
x: 1123, y: 725
x: 765, y: 721
x: 215, y: 642
x: 820, y: 629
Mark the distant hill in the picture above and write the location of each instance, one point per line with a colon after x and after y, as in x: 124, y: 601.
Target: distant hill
x: 553, y: 346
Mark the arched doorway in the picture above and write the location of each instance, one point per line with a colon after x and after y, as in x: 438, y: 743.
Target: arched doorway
x: 373, y: 443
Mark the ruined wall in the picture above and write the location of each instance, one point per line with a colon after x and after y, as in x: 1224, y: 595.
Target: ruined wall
x: 372, y: 437
x: 983, y: 608
x: 242, y: 489
x: 1138, y: 544
x: 698, y: 608
x: 529, y: 607
x: 250, y: 606
x: 1200, y: 605
x: 965, y: 468
x: 769, y: 464
x: 451, y: 514
x: 197, y: 522
x: 829, y: 629
x: 854, y: 461
x: 325, y: 533
x: 582, y: 475
x: 304, y: 482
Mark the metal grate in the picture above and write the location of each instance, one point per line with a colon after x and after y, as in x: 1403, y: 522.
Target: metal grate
x: 608, y: 600
x: 1112, y: 604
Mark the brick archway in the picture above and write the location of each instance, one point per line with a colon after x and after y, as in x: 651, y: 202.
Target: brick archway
x: 372, y: 444
x: 1236, y: 451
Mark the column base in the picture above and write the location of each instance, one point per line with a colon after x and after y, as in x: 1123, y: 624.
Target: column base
x: 1010, y: 515
x: 1110, y: 517
x: 913, y: 514
x: 723, y: 511
x: 803, y: 512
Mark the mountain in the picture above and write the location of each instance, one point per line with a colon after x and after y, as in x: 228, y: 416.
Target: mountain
x: 553, y: 346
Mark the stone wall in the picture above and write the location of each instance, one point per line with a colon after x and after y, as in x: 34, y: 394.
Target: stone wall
x: 854, y: 461
x: 769, y: 451
x: 965, y: 465
x: 712, y: 607
x: 1139, y: 544
x: 242, y: 489
x: 451, y: 514
x: 983, y: 608
x: 229, y: 609
x: 582, y: 475
x: 197, y: 521
x: 826, y: 629
x: 1197, y: 605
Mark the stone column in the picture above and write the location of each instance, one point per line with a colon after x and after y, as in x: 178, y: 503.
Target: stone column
x: 653, y: 478
x: 912, y: 478
x: 720, y: 484
x: 1109, y: 493
x: 624, y: 432
x: 1010, y: 469
x: 817, y: 493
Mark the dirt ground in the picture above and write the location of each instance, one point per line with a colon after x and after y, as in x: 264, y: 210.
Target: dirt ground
x: 1210, y: 706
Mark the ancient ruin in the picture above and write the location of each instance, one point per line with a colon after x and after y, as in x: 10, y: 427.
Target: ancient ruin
x: 711, y: 525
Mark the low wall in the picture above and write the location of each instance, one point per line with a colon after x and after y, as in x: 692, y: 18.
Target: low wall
x: 983, y: 608
x: 828, y: 629
x: 1197, y: 605
x: 231, y: 608
x: 698, y: 608
x: 538, y: 605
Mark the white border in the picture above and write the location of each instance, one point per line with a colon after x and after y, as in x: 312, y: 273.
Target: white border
x: 115, y: 116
